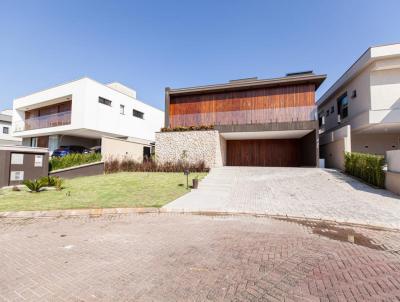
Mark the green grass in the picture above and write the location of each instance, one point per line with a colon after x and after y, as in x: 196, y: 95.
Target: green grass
x: 119, y: 190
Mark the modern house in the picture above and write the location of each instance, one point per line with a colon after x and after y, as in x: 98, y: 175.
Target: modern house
x: 361, y: 111
x: 254, y: 122
x: 6, y: 131
x: 81, y: 113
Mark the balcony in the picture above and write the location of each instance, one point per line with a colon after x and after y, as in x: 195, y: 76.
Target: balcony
x: 257, y: 116
x: 45, y: 121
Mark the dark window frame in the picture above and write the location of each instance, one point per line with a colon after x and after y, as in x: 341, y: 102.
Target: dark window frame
x: 138, y: 114
x: 343, y: 106
x: 122, y: 109
x: 6, y: 130
x: 105, y: 101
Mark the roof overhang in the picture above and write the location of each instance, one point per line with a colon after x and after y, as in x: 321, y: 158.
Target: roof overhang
x: 250, y: 84
x: 371, y: 55
x: 287, y: 134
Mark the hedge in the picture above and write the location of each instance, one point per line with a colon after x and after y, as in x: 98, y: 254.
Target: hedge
x: 368, y: 167
x: 72, y: 160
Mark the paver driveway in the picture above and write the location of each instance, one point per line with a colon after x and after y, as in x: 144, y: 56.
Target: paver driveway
x: 300, y: 192
x: 170, y: 257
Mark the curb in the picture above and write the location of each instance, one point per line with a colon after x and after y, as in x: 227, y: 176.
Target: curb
x: 124, y: 211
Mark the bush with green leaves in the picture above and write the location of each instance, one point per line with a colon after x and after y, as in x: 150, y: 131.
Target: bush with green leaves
x: 368, y: 167
x: 35, y: 185
x: 113, y: 165
x: 72, y: 160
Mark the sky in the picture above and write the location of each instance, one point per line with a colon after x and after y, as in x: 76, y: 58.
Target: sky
x: 150, y: 45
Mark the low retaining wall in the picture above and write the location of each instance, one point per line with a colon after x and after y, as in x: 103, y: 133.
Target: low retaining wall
x: 78, y: 171
x: 193, y: 146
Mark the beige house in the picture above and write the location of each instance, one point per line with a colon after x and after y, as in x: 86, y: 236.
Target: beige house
x: 361, y: 111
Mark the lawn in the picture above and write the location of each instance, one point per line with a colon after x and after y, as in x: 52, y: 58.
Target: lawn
x: 125, y: 189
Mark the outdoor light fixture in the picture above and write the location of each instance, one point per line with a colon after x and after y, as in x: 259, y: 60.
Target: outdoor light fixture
x: 186, y: 172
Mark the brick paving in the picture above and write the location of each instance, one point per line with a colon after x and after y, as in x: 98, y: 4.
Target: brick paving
x: 299, y: 192
x: 171, y: 257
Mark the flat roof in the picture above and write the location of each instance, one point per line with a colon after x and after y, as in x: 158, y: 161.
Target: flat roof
x: 5, y: 117
x: 372, y: 54
x: 24, y: 149
x: 251, y: 83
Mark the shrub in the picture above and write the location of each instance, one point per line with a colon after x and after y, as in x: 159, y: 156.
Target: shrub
x: 368, y: 167
x: 58, y: 183
x: 49, y: 181
x: 129, y: 165
x: 34, y: 185
x: 188, y: 128
x: 71, y: 160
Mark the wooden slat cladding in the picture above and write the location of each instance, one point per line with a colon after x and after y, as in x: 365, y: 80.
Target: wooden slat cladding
x: 264, y: 152
x: 278, y: 97
x: 47, y: 110
x: 258, y: 104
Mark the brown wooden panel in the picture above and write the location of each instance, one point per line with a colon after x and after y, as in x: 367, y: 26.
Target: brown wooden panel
x: 290, y: 96
x: 47, y: 110
x: 204, y: 108
x: 268, y: 153
x: 43, y: 142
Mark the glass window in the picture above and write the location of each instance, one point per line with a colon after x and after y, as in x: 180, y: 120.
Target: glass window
x: 343, y: 106
x: 327, y: 112
x: 332, y: 109
x: 137, y: 113
x: 104, y: 101
x: 121, y: 109
x: 34, y: 141
x: 6, y: 130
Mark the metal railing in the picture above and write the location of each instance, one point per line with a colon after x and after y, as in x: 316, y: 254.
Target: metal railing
x: 258, y: 116
x: 45, y: 121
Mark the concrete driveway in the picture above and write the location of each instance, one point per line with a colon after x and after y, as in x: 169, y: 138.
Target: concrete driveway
x: 300, y: 192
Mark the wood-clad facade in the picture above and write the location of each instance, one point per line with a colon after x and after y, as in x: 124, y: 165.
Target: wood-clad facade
x: 259, y: 105
x: 256, y: 107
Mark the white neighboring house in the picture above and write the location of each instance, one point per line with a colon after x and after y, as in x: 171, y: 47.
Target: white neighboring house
x: 361, y: 111
x: 6, y: 131
x: 81, y: 113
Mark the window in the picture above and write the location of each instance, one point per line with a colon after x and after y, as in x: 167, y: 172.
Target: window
x: 327, y: 112
x: 6, y: 130
x: 137, y: 113
x: 121, y: 109
x: 343, y: 104
x: 104, y: 101
x: 34, y: 141
x: 332, y: 109
x: 321, y: 119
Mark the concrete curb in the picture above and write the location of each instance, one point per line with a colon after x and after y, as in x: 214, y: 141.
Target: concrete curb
x: 122, y: 211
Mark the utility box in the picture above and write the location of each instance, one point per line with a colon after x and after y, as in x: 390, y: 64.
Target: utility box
x: 18, y: 163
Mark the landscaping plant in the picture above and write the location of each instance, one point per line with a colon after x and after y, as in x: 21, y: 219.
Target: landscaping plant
x: 58, y: 183
x: 129, y: 165
x: 72, y: 160
x: 188, y: 128
x: 368, y: 167
x: 34, y: 186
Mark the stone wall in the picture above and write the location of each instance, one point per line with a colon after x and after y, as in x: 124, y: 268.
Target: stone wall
x: 197, y: 146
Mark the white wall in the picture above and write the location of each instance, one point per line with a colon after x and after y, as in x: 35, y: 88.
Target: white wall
x: 8, y: 139
x: 112, y: 148
x: 393, y: 160
x: 88, y: 113
x: 357, y: 105
x: 109, y: 120
x: 374, y: 143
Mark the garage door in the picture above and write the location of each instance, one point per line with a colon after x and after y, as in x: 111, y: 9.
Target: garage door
x: 264, y: 152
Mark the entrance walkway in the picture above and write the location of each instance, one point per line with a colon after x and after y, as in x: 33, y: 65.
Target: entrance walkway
x: 300, y: 192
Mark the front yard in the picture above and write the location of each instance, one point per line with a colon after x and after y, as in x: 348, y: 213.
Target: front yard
x: 119, y: 190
